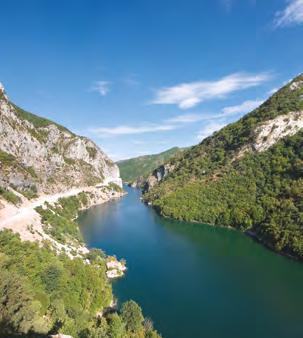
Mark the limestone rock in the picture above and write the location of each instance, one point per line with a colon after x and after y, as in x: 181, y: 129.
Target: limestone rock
x: 41, y: 156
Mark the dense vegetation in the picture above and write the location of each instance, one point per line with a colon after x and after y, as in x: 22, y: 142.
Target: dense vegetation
x: 134, y: 168
x: 58, y: 219
x: 260, y: 192
x: 115, y: 187
x: 37, y: 283
x: 42, y: 293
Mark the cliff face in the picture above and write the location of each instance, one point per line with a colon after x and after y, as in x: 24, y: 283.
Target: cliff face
x: 41, y: 164
x: 40, y: 156
x: 157, y: 175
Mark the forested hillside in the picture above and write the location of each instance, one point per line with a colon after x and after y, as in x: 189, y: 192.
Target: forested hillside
x: 248, y: 175
x: 42, y: 293
x: 142, y: 166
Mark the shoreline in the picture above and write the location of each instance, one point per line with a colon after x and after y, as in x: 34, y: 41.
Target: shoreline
x: 26, y: 221
x: 247, y: 233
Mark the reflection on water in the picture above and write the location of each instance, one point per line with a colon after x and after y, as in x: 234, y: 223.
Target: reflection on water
x: 195, y: 280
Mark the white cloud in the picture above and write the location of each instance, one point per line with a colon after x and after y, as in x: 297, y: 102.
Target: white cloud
x: 188, y: 95
x: 245, y: 107
x: 188, y: 118
x: 291, y: 15
x: 209, y: 128
x: 101, y: 87
x: 176, y: 122
x: 214, y: 125
x: 130, y: 130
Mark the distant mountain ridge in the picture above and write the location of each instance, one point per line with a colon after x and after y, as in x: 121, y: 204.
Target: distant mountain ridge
x: 248, y: 175
x: 140, y: 167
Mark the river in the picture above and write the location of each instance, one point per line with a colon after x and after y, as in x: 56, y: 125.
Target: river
x: 194, y: 280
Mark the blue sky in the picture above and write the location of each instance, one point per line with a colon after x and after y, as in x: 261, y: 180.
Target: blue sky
x: 141, y: 76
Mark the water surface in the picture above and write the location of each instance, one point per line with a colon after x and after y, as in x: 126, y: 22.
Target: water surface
x: 195, y: 280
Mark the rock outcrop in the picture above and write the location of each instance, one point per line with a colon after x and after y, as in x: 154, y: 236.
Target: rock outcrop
x: 42, y: 162
x: 40, y: 156
x: 265, y: 134
x: 270, y: 132
x: 248, y: 175
x: 157, y: 175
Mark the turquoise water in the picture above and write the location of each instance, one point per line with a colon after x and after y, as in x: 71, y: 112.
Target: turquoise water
x: 196, y: 280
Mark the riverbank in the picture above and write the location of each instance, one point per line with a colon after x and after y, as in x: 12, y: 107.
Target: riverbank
x: 193, y: 280
x: 27, y: 222
x: 249, y: 233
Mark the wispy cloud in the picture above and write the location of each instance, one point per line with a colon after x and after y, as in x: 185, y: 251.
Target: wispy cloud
x: 188, y: 118
x: 209, y: 128
x: 188, y: 95
x: 101, y: 87
x: 220, y: 120
x: 131, y: 130
x: 244, y: 107
x: 211, y: 121
x: 291, y: 15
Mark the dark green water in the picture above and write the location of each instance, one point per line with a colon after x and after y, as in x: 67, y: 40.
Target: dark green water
x: 195, y: 280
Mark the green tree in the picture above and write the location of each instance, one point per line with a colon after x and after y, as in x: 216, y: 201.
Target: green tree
x: 19, y: 312
x: 131, y: 314
x: 116, y: 326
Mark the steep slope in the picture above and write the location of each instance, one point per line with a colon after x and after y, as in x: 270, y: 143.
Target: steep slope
x: 247, y: 175
x: 142, y: 166
x: 51, y: 285
x: 40, y: 156
x: 42, y: 162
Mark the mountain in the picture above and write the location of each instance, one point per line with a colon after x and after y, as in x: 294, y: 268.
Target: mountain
x: 40, y: 156
x: 51, y: 285
x: 41, y: 162
x: 142, y: 166
x: 248, y: 175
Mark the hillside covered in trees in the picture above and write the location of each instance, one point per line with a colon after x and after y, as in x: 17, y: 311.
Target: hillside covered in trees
x: 42, y: 293
x: 248, y: 175
x: 142, y: 166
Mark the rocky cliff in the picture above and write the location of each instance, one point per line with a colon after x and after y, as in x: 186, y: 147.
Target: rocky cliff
x: 41, y: 164
x: 157, y: 176
x: 39, y: 156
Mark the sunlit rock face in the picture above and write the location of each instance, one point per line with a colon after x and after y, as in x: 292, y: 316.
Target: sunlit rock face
x: 41, y: 155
